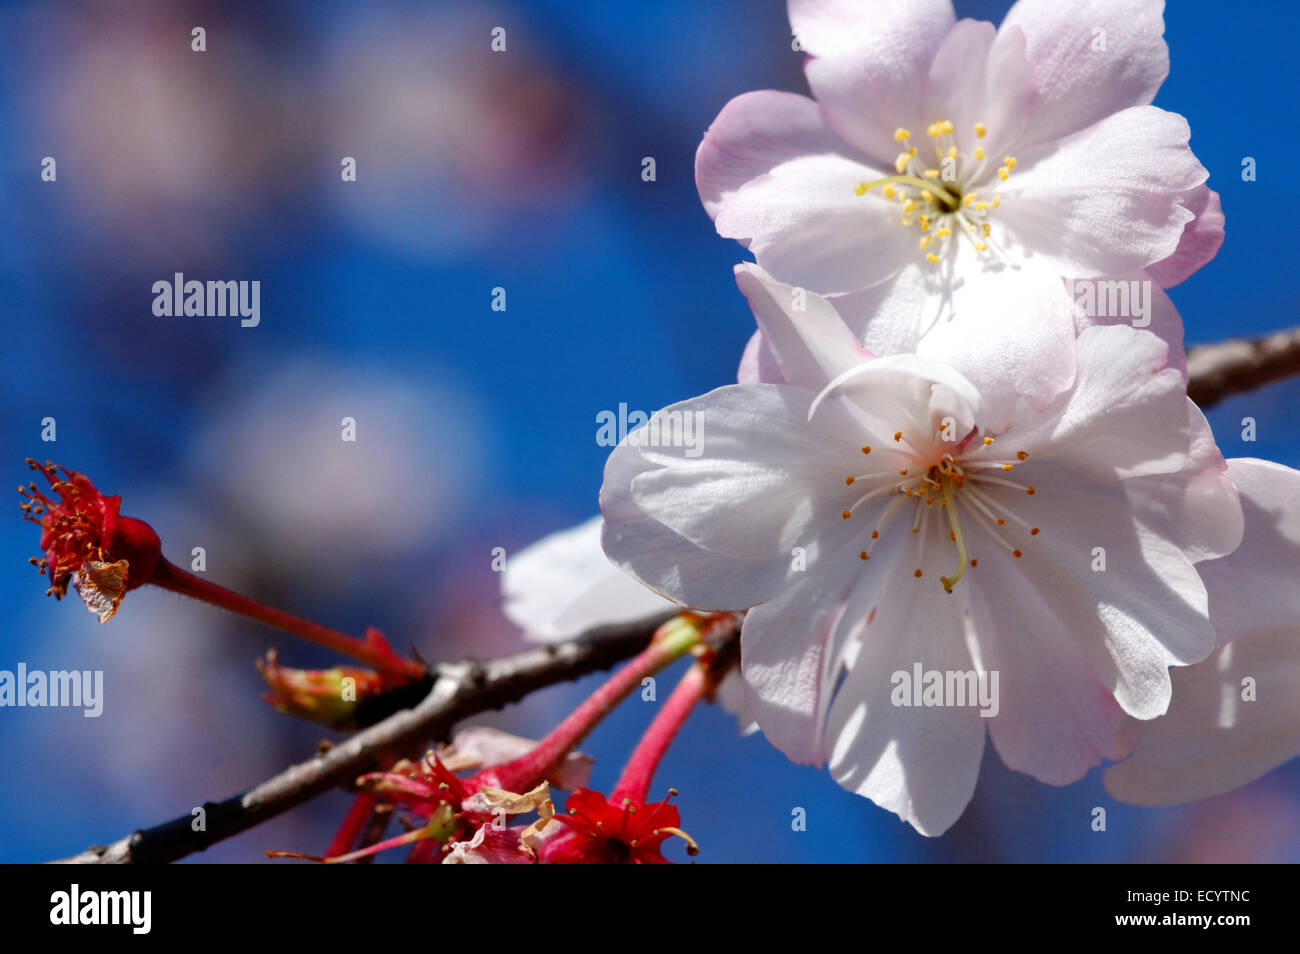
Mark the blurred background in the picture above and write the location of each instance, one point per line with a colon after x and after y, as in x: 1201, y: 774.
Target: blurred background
x: 476, y: 428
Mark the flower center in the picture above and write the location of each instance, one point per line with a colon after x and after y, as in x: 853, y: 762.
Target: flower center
x: 961, y: 479
x: 941, y: 199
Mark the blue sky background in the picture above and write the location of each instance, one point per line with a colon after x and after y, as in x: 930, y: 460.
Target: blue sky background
x: 476, y: 428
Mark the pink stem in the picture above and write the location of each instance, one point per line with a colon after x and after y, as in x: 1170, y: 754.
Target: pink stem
x: 530, y: 770
x: 171, y: 577
x: 356, y: 818
x: 634, y: 784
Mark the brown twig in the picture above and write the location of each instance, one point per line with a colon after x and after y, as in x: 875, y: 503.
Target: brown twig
x: 461, y: 690
x: 1231, y: 367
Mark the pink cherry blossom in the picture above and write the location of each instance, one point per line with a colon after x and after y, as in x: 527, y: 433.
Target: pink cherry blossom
x: 943, y: 163
x: 870, y: 517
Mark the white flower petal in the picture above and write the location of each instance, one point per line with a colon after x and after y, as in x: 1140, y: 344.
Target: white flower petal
x: 869, y: 63
x: 1145, y: 611
x: 806, y: 225
x: 1106, y: 200
x: 758, y: 365
x: 755, y: 133
x: 1056, y: 717
x: 1126, y: 416
x: 803, y: 331
x: 1254, y: 587
x: 1201, y: 240
x: 778, y: 475
x: 1212, y: 739
x: 662, y: 555
x: 564, y: 584
x: 1092, y: 58
x: 982, y: 76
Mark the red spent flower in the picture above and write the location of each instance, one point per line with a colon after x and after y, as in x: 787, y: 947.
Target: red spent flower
x: 82, y: 532
x: 605, y: 833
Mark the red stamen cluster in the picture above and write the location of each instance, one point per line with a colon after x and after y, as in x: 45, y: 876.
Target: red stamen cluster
x: 83, y: 531
x: 605, y: 833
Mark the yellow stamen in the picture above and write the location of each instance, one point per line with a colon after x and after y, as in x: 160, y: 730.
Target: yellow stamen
x: 981, y: 130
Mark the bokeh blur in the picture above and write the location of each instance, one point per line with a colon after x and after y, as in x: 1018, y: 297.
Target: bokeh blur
x: 476, y: 428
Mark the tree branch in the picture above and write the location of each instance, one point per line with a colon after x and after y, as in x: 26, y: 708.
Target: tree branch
x: 1231, y: 367
x: 460, y: 690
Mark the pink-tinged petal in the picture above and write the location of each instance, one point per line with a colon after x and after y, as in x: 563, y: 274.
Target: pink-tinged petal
x: 1107, y: 200
x: 819, y: 663
x: 1254, y: 587
x: 792, y: 646
x: 755, y: 133
x: 981, y: 76
x: 1056, y: 718
x: 869, y: 63
x: 1198, y: 509
x: 917, y: 761
x: 1201, y: 241
x: 1010, y: 332
x: 806, y: 224
x: 564, y: 584
x: 1092, y: 58
x: 1213, y: 740
x: 902, y: 393
x: 758, y: 365
x: 731, y: 695
x: 1136, y: 300
x: 491, y: 846
x: 1126, y: 415
x: 1133, y: 599
x: 771, y: 479
x: 804, y: 332
x: 1011, y: 335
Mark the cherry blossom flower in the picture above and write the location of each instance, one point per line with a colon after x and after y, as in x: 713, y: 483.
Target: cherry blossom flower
x: 1236, y: 715
x: 946, y: 162
x: 609, y: 832
x: 83, y: 532
x: 871, y: 518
